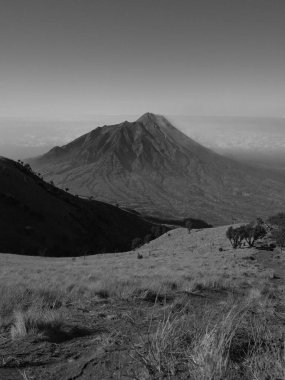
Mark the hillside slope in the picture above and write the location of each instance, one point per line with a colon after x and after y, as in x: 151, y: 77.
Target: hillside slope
x: 39, y: 219
x: 151, y: 166
x: 112, y: 316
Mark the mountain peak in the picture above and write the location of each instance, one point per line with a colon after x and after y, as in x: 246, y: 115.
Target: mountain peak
x: 148, y: 116
x: 151, y: 120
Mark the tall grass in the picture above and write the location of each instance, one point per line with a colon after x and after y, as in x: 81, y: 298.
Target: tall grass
x: 36, y: 321
x: 239, y: 340
x: 233, y: 339
x: 30, y: 311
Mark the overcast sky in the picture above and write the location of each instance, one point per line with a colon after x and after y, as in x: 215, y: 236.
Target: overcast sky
x: 73, y: 58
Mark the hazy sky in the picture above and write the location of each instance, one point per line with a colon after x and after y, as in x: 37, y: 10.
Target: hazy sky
x: 190, y: 57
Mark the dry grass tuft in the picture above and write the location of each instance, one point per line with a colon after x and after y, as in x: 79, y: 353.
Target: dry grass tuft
x: 36, y: 321
x: 160, y: 351
x: 239, y: 340
x: 209, y: 357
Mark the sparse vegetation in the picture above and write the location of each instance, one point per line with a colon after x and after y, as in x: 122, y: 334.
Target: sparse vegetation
x: 189, y: 225
x: 248, y: 233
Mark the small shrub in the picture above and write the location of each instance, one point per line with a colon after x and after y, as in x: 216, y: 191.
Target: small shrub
x: 189, y: 225
x: 248, y: 232
x: 252, y: 233
x: 235, y: 236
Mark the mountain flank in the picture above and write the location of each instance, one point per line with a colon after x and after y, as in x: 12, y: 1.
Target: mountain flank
x: 152, y: 167
x: 39, y: 219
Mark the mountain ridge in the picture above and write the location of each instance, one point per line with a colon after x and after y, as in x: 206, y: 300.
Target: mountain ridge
x: 39, y: 219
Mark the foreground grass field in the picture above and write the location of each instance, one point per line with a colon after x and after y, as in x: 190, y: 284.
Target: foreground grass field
x: 183, y: 306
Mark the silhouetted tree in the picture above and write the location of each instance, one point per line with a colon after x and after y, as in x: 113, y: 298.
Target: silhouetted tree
x: 235, y: 236
x: 248, y: 232
x: 28, y: 167
x: 251, y: 233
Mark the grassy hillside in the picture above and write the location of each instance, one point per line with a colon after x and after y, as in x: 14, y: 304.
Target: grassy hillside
x: 175, y: 257
x: 184, y: 306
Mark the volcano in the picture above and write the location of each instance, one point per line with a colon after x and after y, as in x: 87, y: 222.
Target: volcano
x: 152, y: 167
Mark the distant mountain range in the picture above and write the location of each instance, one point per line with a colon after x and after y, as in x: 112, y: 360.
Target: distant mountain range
x: 151, y: 166
x: 36, y: 218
